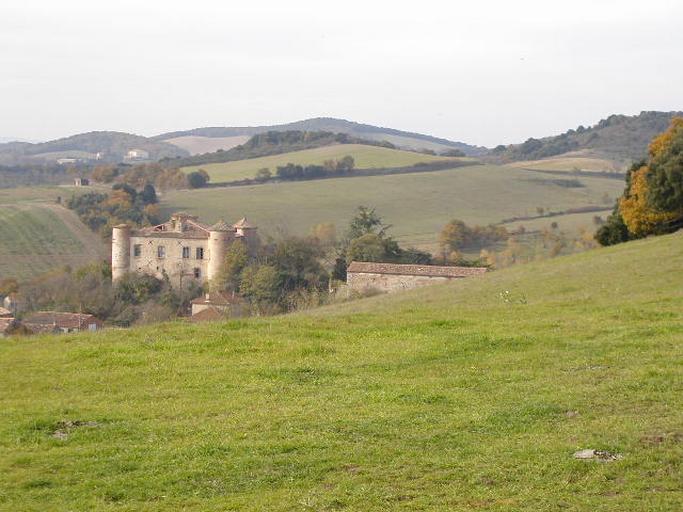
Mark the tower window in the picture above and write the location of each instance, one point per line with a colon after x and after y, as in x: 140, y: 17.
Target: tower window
x: 197, y: 273
x: 186, y: 252
x: 137, y: 250
x: 199, y: 254
x: 161, y: 251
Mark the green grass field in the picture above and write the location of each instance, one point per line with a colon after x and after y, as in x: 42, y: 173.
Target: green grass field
x: 366, y: 157
x: 418, y: 204
x: 36, y: 238
x: 445, y: 398
x: 569, y: 163
x: 48, y: 194
x: 571, y: 222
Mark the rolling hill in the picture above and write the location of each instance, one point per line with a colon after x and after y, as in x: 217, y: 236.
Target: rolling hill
x: 197, y: 145
x: 112, y: 145
x: 401, y: 139
x: 619, y: 139
x: 365, y: 157
x: 417, y: 204
x: 569, y: 163
x: 444, y: 398
x: 38, y: 237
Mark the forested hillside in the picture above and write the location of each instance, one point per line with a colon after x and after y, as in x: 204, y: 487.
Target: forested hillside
x: 113, y: 147
x: 619, y: 137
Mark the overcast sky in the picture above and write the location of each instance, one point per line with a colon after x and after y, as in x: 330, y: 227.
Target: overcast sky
x: 485, y: 72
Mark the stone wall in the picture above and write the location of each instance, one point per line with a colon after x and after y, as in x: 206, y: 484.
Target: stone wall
x: 179, y: 270
x: 362, y: 282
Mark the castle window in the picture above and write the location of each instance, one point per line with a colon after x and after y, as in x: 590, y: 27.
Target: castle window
x: 186, y: 252
x: 200, y: 253
x: 197, y: 273
x: 161, y: 251
x: 137, y: 250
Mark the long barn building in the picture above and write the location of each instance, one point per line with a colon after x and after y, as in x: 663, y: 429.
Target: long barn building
x: 391, y: 277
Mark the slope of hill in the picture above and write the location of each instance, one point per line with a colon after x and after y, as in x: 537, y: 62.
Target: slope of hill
x: 445, y: 398
x: 112, y: 145
x: 196, y: 145
x: 417, y: 204
x: 569, y: 162
x: 618, y: 138
x: 404, y: 140
x: 365, y: 157
x: 39, y: 237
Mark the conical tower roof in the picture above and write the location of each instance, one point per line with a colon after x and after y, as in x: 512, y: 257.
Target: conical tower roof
x: 243, y: 223
x: 221, y: 225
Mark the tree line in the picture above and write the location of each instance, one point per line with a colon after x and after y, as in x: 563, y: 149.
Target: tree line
x: 274, y: 143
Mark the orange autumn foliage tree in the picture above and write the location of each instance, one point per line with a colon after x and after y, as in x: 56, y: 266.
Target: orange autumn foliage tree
x: 653, y: 200
x: 639, y: 216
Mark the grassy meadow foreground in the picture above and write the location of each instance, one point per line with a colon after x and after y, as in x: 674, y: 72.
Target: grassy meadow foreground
x: 472, y: 395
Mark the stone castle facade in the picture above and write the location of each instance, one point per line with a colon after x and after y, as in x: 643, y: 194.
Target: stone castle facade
x: 183, y: 249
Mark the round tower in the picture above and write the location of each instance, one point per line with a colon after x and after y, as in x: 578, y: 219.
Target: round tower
x: 247, y: 231
x: 120, y: 251
x: 219, y: 238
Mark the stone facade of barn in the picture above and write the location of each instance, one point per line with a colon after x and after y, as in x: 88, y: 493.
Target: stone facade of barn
x: 392, y: 277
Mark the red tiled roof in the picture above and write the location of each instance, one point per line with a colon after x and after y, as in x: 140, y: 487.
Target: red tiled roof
x: 362, y: 267
x: 209, y: 314
x: 61, y: 320
x: 218, y: 299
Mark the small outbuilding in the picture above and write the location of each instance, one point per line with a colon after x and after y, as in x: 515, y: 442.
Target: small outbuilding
x: 217, y: 305
x: 391, y: 277
x: 60, y: 322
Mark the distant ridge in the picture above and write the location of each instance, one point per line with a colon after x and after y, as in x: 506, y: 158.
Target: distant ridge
x: 401, y: 139
x: 113, y: 147
x: 618, y: 137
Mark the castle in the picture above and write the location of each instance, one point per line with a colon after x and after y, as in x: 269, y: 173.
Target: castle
x: 183, y: 249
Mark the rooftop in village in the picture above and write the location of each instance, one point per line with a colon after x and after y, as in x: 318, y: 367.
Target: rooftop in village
x: 210, y: 314
x: 61, y: 320
x: 218, y: 299
x: 362, y: 267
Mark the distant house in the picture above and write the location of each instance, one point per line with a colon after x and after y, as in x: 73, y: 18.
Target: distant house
x: 59, y: 322
x: 81, y: 182
x: 216, y: 306
x: 392, y: 277
x: 137, y: 154
x: 67, y: 161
